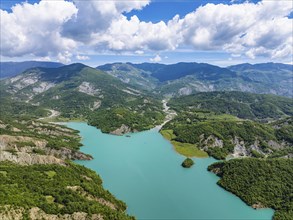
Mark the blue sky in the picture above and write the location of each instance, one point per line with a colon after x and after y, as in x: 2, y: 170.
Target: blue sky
x: 96, y: 32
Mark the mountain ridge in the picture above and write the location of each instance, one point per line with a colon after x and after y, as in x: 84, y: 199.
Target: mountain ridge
x: 186, y: 78
x: 10, y: 69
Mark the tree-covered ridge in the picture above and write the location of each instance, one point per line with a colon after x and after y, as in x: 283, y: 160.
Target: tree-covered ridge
x: 188, y: 78
x: 222, y: 135
x: 81, y: 92
x: 10, y: 69
x: 40, y: 182
x: 260, y: 183
x: 57, y: 190
x: 240, y: 104
x: 33, y: 142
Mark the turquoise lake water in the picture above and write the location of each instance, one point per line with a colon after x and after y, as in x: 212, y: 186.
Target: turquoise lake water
x: 145, y: 172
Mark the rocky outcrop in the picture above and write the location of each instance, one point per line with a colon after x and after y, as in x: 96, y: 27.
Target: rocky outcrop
x: 185, y: 91
x: 124, y: 129
x: 23, y: 158
x: 88, y: 88
x: 210, y: 142
x: 96, y: 105
x: 27, y: 151
x: 258, y: 206
x: 35, y: 213
x: 44, y: 86
x: 65, y: 153
x: 239, y: 148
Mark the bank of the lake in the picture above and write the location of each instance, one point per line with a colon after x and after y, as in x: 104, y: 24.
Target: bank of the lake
x: 144, y: 171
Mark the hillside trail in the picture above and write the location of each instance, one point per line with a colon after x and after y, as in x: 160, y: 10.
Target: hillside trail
x: 54, y: 114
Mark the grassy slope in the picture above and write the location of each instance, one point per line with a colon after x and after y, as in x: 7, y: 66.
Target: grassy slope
x: 185, y: 149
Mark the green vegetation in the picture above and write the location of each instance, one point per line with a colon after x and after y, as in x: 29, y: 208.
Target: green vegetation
x: 241, y: 104
x: 260, y: 183
x: 201, y: 121
x: 187, y: 163
x: 56, y: 136
x: 110, y: 119
x: 202, y: 129
x: 17, y: 109
x: 82, y: 93
x: 58, y: 190
x: 185, y: 149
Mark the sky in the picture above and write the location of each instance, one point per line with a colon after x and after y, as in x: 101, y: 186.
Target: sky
x: 94, y: 32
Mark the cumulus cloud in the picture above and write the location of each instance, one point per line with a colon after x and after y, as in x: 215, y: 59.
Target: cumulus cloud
x: 59, y: 29
x: 97, y: 16
x: 156, y: 59
x: 135, y: 35
x: 34, y: 29
x: 81, y: 57
x: 248, y: 28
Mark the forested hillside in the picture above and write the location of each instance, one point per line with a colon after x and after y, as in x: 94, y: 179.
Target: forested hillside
x: 234, y: 124
x: 188, y: 78
x: 260, y: 183
x: 55, y: 192
x: 241, y: 104
x: 81, y: 92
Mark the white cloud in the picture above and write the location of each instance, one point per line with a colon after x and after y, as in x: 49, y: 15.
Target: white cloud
x: 64, y: 57
x: 34, y: 29
x: 61, y: 28
x: 156, y: 59
x: 135, y: 35
x: 97, y: 16
x: 81, y: 57
x: 239, y: 28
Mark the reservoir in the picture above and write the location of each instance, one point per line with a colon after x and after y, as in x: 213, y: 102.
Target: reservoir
x: 145, y: 172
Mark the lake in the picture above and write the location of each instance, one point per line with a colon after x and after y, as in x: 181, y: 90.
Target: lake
x: 144, y: 171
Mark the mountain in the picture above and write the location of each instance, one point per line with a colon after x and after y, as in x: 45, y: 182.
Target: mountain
x: 201, y: 71
x: 187, y: 78
x: 233, y: 124
x: 241, y: 104
x: 276, y: 78
x: 79, y: 91
x: 133, y: 74
x: 10, y: 69
x: 276, y: 67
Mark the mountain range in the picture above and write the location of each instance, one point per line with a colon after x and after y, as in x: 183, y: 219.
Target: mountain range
x: 187, y: 78
x: 10, y: 69
x: 81, y: 92
x: 204, y: 116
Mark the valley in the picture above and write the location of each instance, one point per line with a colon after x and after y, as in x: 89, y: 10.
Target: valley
x: 195, y: 109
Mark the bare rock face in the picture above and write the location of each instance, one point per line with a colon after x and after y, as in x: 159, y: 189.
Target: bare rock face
x: 275, y: 145
x: 185, y: 91
x: 35, y: 213
x: 258, y: 206
x: 23, y: 158
x: 88, y: 88
x: 26, y: 154
x: 44, y: 86
x: 122, y: 130
x: 65, y: 153
x: 239, y: 148
x: 211, y: 142
x: 96, y: 105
